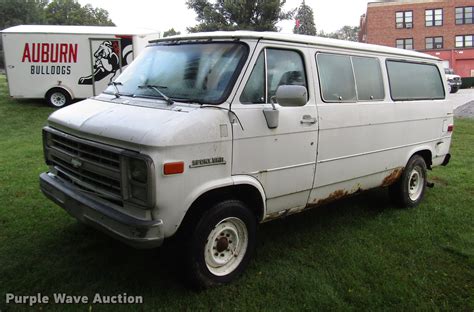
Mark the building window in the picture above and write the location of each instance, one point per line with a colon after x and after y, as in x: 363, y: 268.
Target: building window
x: 406, y: 44
x: 464, y: 41
x: 434, y: 17
x: 464, y: 15
x: 404, y: 19
x: 434, y: 43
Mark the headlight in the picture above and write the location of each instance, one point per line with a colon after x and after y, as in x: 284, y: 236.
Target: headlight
x: 46, y: 145
x: 138, y: 170
x: 138, y: 181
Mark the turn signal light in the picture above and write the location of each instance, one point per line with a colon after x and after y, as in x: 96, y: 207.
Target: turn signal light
x: 173, y: 168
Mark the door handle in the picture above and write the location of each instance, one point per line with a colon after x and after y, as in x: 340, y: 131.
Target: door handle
x: 308, y: 119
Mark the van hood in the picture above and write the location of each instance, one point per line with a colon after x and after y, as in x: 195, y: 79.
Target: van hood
x: 160, y: 125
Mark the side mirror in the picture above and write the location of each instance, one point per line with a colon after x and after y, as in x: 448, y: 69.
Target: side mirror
x: 291, y: 95
x: 272, y: 117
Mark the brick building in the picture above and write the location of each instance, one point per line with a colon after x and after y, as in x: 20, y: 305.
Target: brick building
x: 441, y: 28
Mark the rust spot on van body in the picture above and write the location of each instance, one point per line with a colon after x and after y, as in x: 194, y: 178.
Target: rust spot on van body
x: 332, y: 197
x: 392, y: 177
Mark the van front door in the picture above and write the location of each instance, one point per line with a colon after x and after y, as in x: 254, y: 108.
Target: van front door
x: 282, y: 159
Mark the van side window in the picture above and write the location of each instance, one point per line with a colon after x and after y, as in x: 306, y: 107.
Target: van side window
x: 336, y: 78
x: 284, y: 67
x: 414, y: 81
x: 368, y: 77
x: 274, y: 67
x: 254, y: 91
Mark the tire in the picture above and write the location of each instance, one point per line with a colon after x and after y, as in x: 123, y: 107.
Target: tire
x: 58, y: 98
x: 454, y: 89
x: 220, y: 245
x: 409, y: 190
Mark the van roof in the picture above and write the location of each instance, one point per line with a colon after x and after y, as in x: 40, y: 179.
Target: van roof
x: 304, y: 39
x: 92, y: 30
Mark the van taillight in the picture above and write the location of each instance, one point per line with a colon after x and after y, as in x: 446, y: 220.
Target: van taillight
x: 450, y: 128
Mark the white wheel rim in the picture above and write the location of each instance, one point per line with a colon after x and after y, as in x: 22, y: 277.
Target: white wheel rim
x: 226, y: 246
x: 58, y: 99
x: 415, y: 184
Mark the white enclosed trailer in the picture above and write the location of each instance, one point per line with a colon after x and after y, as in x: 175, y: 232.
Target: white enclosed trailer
x: 61, y: 63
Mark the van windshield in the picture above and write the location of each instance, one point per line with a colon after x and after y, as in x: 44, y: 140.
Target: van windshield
x: 188, y: 72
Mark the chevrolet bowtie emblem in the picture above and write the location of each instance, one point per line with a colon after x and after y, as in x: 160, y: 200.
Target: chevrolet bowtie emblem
x: 76, y: 163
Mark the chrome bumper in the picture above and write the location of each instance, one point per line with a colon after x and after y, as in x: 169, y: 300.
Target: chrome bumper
x: 132, y: 231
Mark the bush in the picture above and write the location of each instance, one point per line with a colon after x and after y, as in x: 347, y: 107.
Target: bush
x: 2, y: 63
x: 467, y: 82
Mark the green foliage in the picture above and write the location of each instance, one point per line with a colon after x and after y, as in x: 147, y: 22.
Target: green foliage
x: 56, y: 12
x: 16, y: 12
x: 258, y: 15
x: 306, y: 21
x: 70, y: 12
x: 359, y: 254
x: 171, y: 32
x: 349, y: 33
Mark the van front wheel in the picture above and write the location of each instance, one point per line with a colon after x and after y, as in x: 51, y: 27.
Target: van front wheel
x: 409, y: 190
x: 221, y: 245
x: 58, y: 98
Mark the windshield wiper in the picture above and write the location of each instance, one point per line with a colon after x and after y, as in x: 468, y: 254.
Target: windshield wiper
x: 191, y: 101
x: 115, y: 84
x: 157, y: 90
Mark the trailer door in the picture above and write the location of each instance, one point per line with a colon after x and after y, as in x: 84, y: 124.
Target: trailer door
x: 106, y: 57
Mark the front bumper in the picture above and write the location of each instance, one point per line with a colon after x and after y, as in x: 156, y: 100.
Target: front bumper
x: 453, y: 83
x: 132, y: 231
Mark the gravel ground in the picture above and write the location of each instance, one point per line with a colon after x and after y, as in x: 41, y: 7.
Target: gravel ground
x: 465, y: 111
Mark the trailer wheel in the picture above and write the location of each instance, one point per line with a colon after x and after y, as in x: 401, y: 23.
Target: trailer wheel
x: 58, y: 97
x: 221, y: 244
x: 408, y: 191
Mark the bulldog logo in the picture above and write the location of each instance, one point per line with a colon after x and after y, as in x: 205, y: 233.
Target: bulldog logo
x: 107, y: 60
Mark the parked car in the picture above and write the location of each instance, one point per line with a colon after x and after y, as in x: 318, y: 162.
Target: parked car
x: 454, y: 81
x: 204, y: 136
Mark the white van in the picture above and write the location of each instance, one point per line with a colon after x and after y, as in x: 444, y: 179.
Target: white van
x: 62, y: 63
x: 206, y: 135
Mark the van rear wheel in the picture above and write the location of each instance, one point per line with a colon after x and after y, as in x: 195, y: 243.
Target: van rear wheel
x: 58, y: 97
x: 409, y: 190
x: 221, y: 244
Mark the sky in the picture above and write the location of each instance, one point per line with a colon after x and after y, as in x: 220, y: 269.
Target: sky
x: 160, y: 15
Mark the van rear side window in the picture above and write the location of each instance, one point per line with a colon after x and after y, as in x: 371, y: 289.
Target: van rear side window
x: 368, y: 78
x: 345, y: 78
x: 414, y: 81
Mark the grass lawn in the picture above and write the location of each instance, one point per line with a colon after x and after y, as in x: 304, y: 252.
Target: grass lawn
x: 358, y: 254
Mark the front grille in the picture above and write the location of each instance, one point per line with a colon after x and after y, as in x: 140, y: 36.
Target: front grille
x: 93, y: 167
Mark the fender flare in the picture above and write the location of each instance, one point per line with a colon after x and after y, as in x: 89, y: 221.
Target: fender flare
x: 222, y: 183
x: 418, y: 149
x: 60, y: 86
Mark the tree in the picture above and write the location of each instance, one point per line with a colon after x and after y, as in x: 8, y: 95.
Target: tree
x: 349, y: 33
x: 17, y: 12
x: 96, y: 16
x: 171, y: 32
x: 70, y: 12
x: 259, y: 15
x: 56, y: 12
x: 305, y: 21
